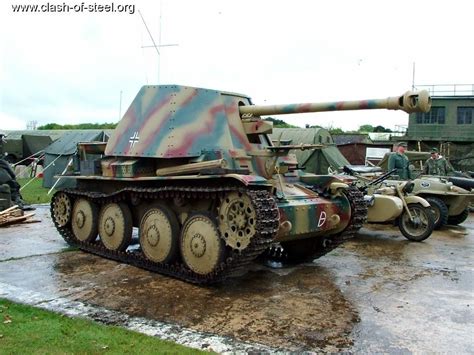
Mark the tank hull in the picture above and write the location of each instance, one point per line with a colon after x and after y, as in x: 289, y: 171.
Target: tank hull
x: 309, y: 216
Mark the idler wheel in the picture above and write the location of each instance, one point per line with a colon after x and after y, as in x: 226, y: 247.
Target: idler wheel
x: 202, y: 248
x: 62, y: 207
x: 237, y: 220
x: 84, y: 220
x: 159, y: 234
x: 115, y: 226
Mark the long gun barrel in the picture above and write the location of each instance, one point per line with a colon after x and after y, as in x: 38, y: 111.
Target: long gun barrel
x: 409, y: 102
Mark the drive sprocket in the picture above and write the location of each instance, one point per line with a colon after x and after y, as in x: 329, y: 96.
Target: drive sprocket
x: 237, y: 220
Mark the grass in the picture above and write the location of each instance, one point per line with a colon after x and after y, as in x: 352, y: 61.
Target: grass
x: 29, y: 330
x: 34, y: 192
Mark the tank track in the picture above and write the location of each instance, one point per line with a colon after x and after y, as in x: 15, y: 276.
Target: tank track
x: 267, y: 226
x: 359, y: 211
x: 277, y: 254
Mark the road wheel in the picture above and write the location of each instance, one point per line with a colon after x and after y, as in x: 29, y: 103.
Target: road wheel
x: 159, y: 234
x: 420, y: 227
x: 84, y: 220
x: 455, y: 220
x: 115, y: 226
x: 202, y: 248
x: 440, y: 211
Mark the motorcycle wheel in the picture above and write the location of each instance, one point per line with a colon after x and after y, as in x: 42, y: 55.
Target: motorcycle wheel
x: 420, y: 227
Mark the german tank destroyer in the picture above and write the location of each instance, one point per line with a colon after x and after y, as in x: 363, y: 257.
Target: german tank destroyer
x: 194, y: 170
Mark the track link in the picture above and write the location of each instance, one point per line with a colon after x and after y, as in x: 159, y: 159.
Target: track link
x: 267, y: 226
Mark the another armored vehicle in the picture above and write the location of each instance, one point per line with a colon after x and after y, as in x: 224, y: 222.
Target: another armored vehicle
x: 449, y: 202
x: 195, y: 171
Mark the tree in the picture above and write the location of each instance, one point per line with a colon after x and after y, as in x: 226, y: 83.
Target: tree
x: 335, y: 130
x: 366, y: 128
x: 280, y: 123
x: 52, y: 126
x: 382, y: 129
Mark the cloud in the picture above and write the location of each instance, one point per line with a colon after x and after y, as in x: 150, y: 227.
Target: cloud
x: 12, y: 122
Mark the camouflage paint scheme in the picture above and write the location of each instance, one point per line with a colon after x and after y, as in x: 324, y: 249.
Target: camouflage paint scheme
x: 177, y: 126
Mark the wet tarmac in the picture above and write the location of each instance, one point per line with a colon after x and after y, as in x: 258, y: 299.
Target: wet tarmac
x: 376, y: 293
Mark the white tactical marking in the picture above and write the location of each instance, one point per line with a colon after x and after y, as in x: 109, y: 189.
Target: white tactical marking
x: 134, y: 139
x: 322, y: 219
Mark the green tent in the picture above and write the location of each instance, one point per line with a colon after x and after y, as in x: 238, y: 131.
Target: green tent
x: 33, y: 144
x: 59, y: 154
x: 318, y: 161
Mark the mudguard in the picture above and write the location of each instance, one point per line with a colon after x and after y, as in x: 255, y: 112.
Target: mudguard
x: 417, y: 199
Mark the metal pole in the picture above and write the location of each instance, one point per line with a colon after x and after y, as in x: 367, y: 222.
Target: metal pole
x: 59, y: 178
x: 29, y: 182
x: 159, y: 42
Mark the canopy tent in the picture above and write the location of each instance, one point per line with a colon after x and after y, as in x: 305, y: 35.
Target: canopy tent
x: 33, y: 144
x: 413, y: 156
x: 317, y: 161
x: 59, y: 154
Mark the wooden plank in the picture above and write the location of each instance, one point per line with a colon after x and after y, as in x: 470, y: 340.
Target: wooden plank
x: 8, y: 210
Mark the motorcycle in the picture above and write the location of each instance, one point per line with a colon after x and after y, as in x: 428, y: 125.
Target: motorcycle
x: 391, y: 202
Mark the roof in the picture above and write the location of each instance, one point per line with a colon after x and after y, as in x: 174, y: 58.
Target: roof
x: 67, y: 144
x: 343, y: 139
x: 53, y: 133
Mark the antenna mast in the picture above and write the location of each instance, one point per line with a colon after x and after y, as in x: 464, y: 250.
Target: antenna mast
x: 159, y: 45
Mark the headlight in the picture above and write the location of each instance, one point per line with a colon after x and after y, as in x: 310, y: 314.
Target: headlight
x: 369, y: 200
x: 457, y: 189
x: 408, y: 188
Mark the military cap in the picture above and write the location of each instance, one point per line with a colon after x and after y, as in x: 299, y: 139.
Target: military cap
x: 402, y: 144
x: 434, y: 150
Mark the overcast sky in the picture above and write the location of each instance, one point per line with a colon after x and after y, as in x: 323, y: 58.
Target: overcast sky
x: 71, y: 67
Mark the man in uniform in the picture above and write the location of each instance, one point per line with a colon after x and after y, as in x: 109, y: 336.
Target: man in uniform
x: 7, y: 176
x: 437, y: 165
x: 398, y: 160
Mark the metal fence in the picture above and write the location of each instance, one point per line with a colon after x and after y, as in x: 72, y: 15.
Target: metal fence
x: 448, y: 89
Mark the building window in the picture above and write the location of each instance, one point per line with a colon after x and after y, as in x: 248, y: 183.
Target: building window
x: 419, y: 118
x: 435, y: 116
x: 465, y: 115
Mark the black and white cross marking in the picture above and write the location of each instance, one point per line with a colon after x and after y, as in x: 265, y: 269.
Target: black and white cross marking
x: 134, y: 139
